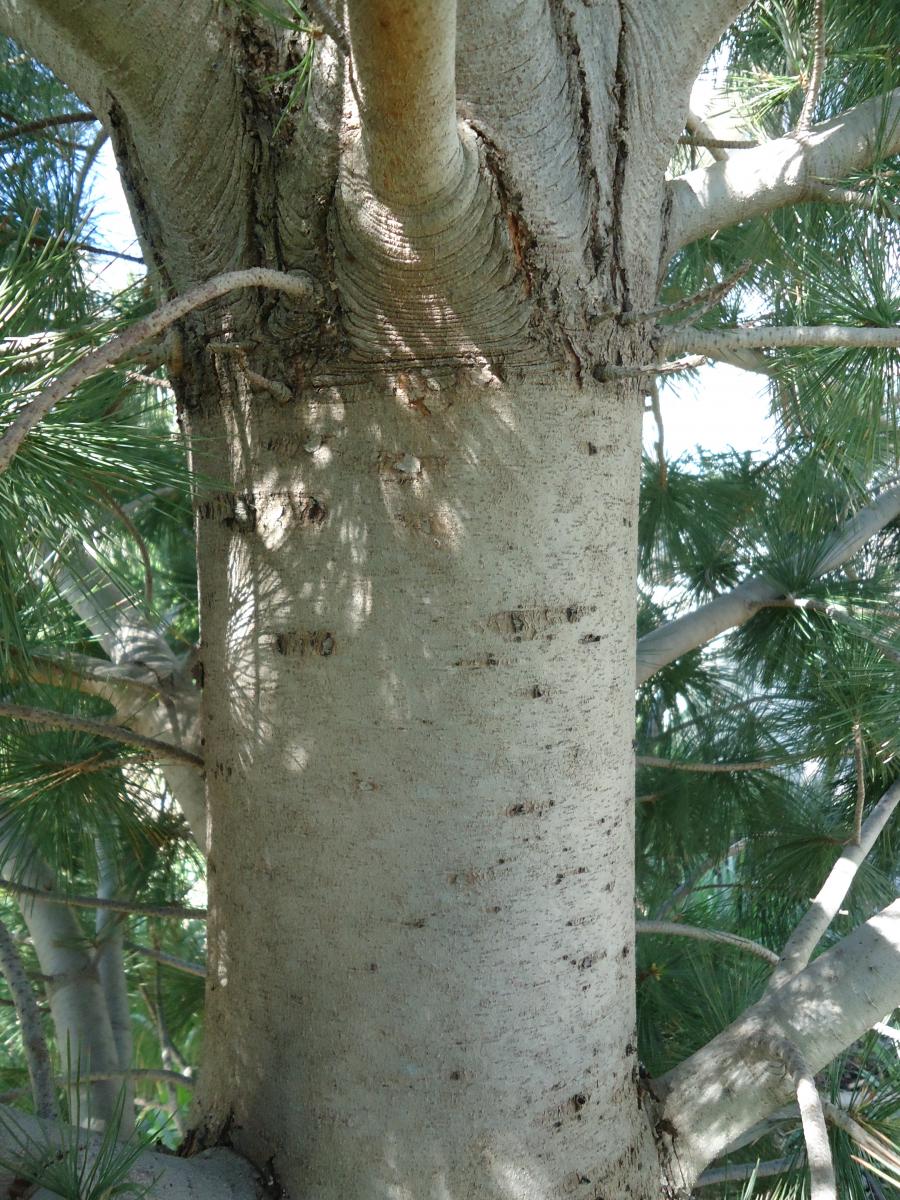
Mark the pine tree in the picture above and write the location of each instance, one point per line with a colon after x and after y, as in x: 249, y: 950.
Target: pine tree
x: 768, y: 629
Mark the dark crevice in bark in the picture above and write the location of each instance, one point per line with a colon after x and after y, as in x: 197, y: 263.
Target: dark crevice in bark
x: 136, y: 184
x: 597, y: 246
x: 619, y: 138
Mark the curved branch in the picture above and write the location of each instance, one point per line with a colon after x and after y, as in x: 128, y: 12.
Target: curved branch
x: 405, y: 61
x: 707, y: 935
x: 812, y: 928
x: 723, y: 1089
x: 757, y: 181
x: 91, y: 725
x: 737, y: 606
x: 811, y: 99
x: 37, y: 1056
x: 294, y: 284
x: 712, y: 343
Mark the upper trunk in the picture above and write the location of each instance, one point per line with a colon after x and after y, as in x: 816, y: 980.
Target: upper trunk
x: 418, y: 639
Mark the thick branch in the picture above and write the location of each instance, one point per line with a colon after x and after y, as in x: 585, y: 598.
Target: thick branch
x: 737, y: 606
x: 119, y: 347
x: 214, y: 1175
x: 675, y: 928
x: 757, y: 181
x: 405, y: 57
x: 34, y: 1044
x: 803, y: 941
x: 712, y: 343
x: 113, y: 733
x: 823, y: 1185
x: 724, y: 1089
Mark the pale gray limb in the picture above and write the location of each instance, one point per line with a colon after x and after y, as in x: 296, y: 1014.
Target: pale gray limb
x: 113, y: 981
x: 735, y: 607
x: 175, y: 911
x: 77, y: 1003
x: 712, y: 342
x: 217, y: 1174
x: 329, y: 24
x: 823, y: 1184
x: 405, y: 66
x: 719, y: 936
x: 37, y: 1056
x: 757, y: 181
x: 294, y: 284
x: 170, y: 960
x: 814, y: 87
x: 824, y: 908
x: 724, y: 1089
x: 99, y: 728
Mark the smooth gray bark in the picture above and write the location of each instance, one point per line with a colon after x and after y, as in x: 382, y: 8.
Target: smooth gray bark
x: 736, y: 606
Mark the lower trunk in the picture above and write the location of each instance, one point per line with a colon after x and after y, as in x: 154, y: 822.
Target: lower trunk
x: 418, y: 640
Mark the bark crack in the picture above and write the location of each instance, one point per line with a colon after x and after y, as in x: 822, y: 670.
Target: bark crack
x: 619, y: 138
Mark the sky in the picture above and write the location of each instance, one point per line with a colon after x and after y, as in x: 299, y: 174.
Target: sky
x: 719, y: 408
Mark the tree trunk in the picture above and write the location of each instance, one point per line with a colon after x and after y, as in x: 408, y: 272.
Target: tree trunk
x: 418, y: 642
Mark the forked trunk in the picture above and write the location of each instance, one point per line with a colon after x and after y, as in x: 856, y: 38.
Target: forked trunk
x: 418, y: 640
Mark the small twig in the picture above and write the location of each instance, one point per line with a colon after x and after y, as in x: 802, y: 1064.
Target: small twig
x: 823, y: 1185
x: 860, y: 764
x: 708, y: 935
x: 91, y: 725
x: 704, y: 300
x: 175, y: 911
x: 740, y: 1172
x: 329, y: 24
x: 711, y: 143
x: 170, y: 960
x: 37, y: 1056
x: 119, y: 347
x: 660, y: 435
x: 77, y: 118
x: 675, y: 764
x: 607, y: 372
x: 814, y: 87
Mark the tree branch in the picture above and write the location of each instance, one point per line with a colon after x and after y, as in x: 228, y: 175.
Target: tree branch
x: 675, y: 764
x: 217, y: 1174
x: 718, y: 936
x: 812, y: 928
x: 723, y: 1089
x: 295, y: 284
x: 757, y: 181
x: 405, y: 61
x: 78, y: 118
x: 37, y: 1056
x: 92, y: 725
x: 823, y: 1185
x: 175, y: 911
x: 712, y: 342
x: 737, y: 606
x: 811, y: 99
x: 180, y: 964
